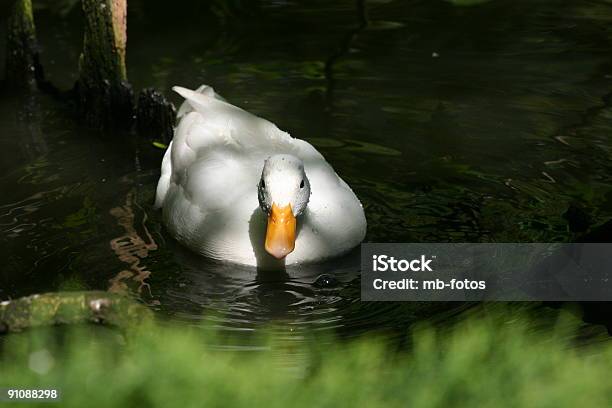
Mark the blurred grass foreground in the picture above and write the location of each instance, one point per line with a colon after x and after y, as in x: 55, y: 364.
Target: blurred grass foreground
x: 490, y: 359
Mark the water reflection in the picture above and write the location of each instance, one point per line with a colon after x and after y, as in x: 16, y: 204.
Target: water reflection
x: 246, y: 296
x: 295, y: 303
x: 132, y: 249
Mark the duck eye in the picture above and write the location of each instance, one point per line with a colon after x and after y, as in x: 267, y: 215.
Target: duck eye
x: 302, y: 184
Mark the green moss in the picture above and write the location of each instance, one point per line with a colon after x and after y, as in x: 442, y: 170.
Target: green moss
x: 69, y: 308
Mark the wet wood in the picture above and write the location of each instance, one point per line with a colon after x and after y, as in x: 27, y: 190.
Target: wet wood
x: 71, y: 308
x: 155, y: 116
x: 22, y: 61
x: 105, y: 96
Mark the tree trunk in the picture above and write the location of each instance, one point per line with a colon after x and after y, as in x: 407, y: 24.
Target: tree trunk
x: 22, y: 63
x: 105, y: 96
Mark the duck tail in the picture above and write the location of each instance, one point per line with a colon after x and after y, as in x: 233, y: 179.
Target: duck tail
x: 187, y: 107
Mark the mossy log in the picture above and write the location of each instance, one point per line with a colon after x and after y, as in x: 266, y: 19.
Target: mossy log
x: 71, y: 308
x: 155, y: 116
x: 22, y: 61
x: 105, y: 96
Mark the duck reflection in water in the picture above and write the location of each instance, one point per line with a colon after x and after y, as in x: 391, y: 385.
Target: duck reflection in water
x: 244, y: 294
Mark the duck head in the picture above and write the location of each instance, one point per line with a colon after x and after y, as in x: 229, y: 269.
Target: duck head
x: 283, y: 192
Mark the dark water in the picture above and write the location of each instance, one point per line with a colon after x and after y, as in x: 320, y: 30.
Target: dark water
x: 483, y: 123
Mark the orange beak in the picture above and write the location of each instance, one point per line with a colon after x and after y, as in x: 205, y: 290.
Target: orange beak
x: 280, y: 234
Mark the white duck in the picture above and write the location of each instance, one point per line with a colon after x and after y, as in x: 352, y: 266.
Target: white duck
x: 234, y: 187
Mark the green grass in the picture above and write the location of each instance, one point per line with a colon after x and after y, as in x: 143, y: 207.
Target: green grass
x: 492, y: 360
